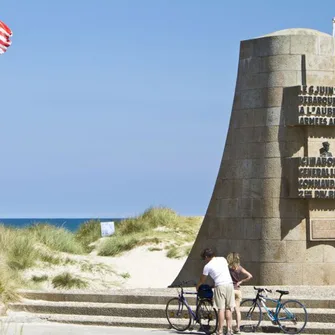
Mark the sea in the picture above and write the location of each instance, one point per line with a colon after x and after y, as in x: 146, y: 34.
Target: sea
x: 71, y: 224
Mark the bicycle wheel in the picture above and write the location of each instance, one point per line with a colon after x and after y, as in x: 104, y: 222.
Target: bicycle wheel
x: 251, y: 313
x: 292, y: 317
x: 177, y: 314
x: 207, y: 316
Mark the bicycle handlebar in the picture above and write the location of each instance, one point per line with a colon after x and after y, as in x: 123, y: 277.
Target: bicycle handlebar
x: 262, y: 289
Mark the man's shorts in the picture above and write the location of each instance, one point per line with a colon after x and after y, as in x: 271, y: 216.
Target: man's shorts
x: 224, y: 297
x: 238, y: 295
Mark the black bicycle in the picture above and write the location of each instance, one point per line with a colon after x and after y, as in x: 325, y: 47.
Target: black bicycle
x: 289, y: 315
x: 180, y: 314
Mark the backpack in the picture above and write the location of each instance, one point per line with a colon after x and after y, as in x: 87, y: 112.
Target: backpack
x: 205, y: 292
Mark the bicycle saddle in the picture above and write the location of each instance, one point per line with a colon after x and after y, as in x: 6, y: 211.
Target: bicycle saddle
x: 282, y: 292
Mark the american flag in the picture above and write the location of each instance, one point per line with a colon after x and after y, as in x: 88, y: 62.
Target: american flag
x: 5, y: 34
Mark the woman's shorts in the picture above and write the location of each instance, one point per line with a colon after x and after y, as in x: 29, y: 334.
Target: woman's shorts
x: 224, y: 297
x: 238, y: 295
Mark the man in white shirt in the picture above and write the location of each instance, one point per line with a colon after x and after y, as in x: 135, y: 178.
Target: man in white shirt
x: 224, y: 298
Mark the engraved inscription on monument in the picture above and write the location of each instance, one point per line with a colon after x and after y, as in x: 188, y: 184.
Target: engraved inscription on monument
x: 316, y: 177
x: 316, y: 106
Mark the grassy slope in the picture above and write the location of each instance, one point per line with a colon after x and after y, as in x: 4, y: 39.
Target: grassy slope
x: 21, y: 249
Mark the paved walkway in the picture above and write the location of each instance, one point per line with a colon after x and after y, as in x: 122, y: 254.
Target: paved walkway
x: 66, y: 329
x: 69, y: 329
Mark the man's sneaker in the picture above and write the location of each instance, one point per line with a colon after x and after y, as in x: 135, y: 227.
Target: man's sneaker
x: 237, y: 331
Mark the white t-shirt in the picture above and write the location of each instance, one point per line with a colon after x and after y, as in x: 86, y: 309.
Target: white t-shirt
x: 218, y: 269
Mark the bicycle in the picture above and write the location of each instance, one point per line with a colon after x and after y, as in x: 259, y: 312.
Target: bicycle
x: 289, y: 315
x: 180, y: 314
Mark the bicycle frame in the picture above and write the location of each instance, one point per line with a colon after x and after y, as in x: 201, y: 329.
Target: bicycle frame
x: 184, y: 300
x: 289, y: 315
x: 180, y: 314
x: 272, y: 315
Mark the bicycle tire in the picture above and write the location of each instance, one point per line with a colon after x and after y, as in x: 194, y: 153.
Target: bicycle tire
x: 207, y: 316
x: 251, y: 315
x: 292, y: 317
x: 177, y: 314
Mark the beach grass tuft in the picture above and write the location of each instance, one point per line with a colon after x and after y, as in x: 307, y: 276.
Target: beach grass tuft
x: 67, y: 281
x: 56, y: 238
x: 9, y: 281
x: 18, y: 248
x: 38, y: 279
x: 88, y: 233
x: 154, y: 226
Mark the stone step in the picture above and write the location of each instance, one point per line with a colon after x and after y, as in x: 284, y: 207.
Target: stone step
x: 315, y: 328
x: 88, y: 308
x: 131, y: 310
x: 134, y: 296
x: 161, y: 296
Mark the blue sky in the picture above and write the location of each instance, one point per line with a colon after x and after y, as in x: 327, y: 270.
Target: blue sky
x: 112, y: 106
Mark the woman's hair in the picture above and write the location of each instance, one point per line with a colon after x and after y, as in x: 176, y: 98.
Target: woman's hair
x: 233, y: 260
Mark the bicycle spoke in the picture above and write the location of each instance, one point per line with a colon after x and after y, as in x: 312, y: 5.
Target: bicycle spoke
x: 251, y: 315
x: 292, y: 317
x: 178, y: 314
x: 207, y: 316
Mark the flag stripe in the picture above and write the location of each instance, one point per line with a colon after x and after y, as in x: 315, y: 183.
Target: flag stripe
x: 5, y: 41
x: 5, y: 34
x: 6, y: 28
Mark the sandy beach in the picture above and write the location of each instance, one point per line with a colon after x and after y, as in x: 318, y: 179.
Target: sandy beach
x: 142, y: 267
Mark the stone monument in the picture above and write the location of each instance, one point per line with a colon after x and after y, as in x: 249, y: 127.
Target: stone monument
x: 274, y: 196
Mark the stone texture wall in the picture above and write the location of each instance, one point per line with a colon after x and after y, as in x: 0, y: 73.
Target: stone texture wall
x: 250, y: 210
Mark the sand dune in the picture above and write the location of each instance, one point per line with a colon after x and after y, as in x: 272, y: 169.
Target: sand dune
x: 138, y: 268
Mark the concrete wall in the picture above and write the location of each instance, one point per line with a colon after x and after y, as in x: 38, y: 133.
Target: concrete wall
x: 250, y: 210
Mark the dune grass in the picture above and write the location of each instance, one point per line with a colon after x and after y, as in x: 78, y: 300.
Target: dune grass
x: 56, y: 238
x: 117, y: 244
x: 67, y: 281
x: 18, y: 248
x: 21, y: 248
x: 9, y: 282
x: 38, y: 279
x: 154, y: 226
x: 88, y: 233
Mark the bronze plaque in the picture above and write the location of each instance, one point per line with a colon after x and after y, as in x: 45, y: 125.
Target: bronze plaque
x: 322, y: 230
